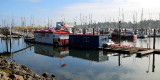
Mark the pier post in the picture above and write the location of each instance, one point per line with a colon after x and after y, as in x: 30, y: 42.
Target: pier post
x: 84, y: 31
x: 93, y: 31
x: 7, y: 44
x: 73, y: 30
x: 154, y: 40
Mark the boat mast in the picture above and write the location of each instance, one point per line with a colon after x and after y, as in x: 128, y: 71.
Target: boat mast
x: 142, y: 20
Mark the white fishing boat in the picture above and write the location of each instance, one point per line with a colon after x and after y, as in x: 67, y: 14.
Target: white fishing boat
x: 142, y: 36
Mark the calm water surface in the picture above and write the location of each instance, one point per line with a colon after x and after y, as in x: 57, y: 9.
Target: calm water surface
x: 77, y: 64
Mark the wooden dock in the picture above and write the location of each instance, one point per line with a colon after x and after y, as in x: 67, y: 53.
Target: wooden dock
x: 131, y: 50
x: 157, y: 51
x: 122, y: 49
x: 142, y: 53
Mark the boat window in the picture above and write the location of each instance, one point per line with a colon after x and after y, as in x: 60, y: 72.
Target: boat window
x: 47, y: 35
x: 53, y: 35
x: 39, y: 35
x: 42, y: 34
x: 103, y: 40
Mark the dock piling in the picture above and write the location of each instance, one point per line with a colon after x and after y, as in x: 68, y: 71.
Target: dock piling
x: 154, y: 40
x: 93, y: 31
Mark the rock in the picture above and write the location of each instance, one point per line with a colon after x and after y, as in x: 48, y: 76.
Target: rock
x: 29, y: 71
x: 20, y: 72
x: 45, y: 74
x: 12, y: 76
x: 4, y: 61
x: 53, y: 76
x: 23, y: 66
x: 36, y: 76
x: 30, y: 78
x: 24, y: 76
x: 2, y: 57
x: 14, y: 60
x: 18, y: 77
x: 4, y: 76
x: 52, y: 79
x: 1, y: 74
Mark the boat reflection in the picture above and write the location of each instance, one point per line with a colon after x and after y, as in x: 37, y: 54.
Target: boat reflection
x: 122, y: 40
x: 57, y: 52
x: 61, y: 52
x: 92, y: 55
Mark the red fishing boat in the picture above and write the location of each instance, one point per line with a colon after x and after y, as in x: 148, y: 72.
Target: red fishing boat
x: 124, y: 34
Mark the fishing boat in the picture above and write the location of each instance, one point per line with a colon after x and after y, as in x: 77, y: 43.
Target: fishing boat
x: 152, y: 35
x: 142, y: 36
x: 124, y: 34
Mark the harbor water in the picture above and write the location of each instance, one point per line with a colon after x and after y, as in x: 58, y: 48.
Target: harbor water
x: 80, y: 64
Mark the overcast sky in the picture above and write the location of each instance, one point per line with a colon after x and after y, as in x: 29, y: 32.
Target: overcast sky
x: 70, y: 10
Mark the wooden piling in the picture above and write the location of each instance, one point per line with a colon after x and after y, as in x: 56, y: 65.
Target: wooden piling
x: 93, y: 31
x: 154, y: 40
x: 84, y: 31
x: 73, y: 30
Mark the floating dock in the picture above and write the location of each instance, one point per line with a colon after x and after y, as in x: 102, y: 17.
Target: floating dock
x: 127, y: 49
x: 143, y: 53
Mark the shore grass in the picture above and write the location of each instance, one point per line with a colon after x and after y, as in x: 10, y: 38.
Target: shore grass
x: 4, y: 70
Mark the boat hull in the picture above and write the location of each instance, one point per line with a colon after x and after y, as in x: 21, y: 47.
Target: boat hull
x: 124, y: 36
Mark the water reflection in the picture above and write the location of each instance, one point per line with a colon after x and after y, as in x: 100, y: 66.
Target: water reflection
x: 61, y: 52
x: 144, y: 43
x: 153, y: 66
x: 17, y: 44
x: 77, y: 64
x: 57, y: 52
x: 128, y: 40
x: 149, y: 61
x: 92, y: 55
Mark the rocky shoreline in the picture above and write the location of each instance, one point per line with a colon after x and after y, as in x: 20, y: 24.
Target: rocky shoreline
x: 10, y: 71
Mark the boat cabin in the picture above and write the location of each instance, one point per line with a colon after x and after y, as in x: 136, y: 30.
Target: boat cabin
x: 52, y: 36
x: 87, y: 40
